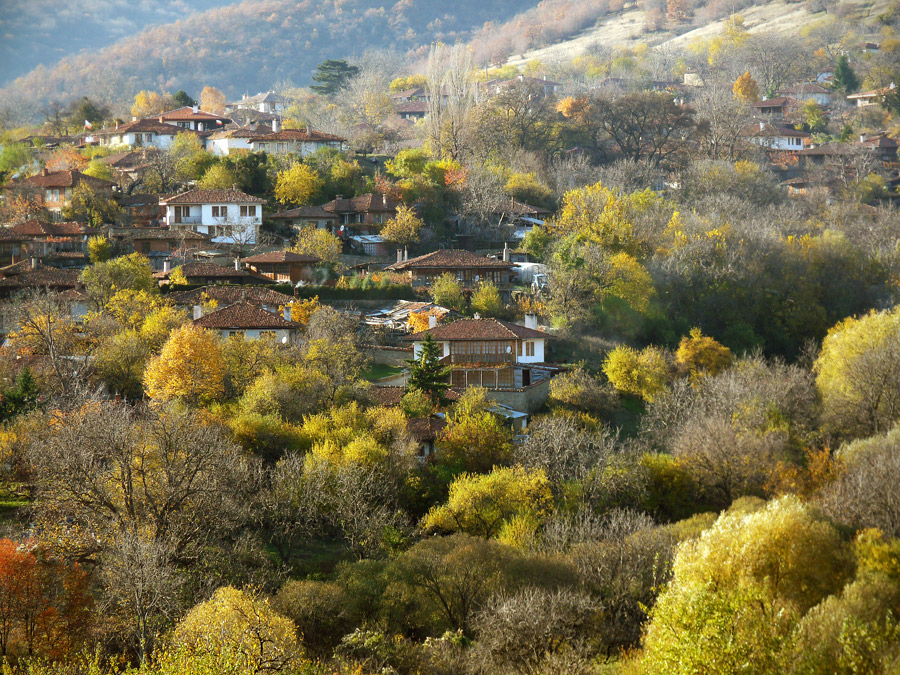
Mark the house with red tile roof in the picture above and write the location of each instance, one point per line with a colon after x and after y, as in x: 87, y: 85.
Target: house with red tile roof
x: 871, y: 97
x: 284, y: 267
x: 223, y: 296
x: 227, y: 140
x: 301, y: 142
x: 193, y: 119
x: 304, y: 216
x: 228, y: 216
x: 151, y: 132
x: 488, y: 352
x: 777, y: 136
x: 772, y: 107
x: 250, y: 321
x: 210, y: 273
x: 53, y: 189
x: 364, y: 214
x: 469, y: 268
x: 54, y: 238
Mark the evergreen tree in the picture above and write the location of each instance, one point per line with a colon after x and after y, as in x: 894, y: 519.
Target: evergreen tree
x: 426, y: 372
x: 331, y: 76
x: 182, y: 98
x: 844, y: 77
x: 20, y: 398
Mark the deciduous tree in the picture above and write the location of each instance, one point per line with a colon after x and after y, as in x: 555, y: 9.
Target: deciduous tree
x: 189, y: 367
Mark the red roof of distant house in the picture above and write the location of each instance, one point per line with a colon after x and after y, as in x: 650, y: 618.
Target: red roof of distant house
x: 479, y: 329
x: 243, y: 132
x: 212, y: 197
x: 280, y: 257
x: 49, y: 277
x: 228, y: 295
x: 58, y: 179
x: 203, y: 270
x: 303, y: 212
x: 243, y: 316
x: 147, y: 126
x: 36, y: 228
x: 450, y: 259
x: 770, y: 130
x: 410, y: 107
x: 298, y: 135
x: 188, y: 113
x: 371, y: 201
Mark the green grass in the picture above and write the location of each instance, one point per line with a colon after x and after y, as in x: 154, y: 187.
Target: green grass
x: 381, y: 370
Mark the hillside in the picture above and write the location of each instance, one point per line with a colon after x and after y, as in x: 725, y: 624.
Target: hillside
x: 252, y: 45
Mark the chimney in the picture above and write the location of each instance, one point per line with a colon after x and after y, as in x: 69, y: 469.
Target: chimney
x: 196, y: 109
x: 253, y: 125
x: 161, y: 121
x: 765, y: 98
x: 505, y: 252
x: 198, y: 312
x: 276, y: 126
x: 399, y: 255
x: 762, y: 126
x: 234, y: 186
x: 287, y: 312
x: 432, y: 320
x: 338, y: 197
x: 133, y: 119
x: 384, y: 199
x: 237, y: 265
x: 44, y: 171
x: 862, y: 138
x: 117, y: 124
x: 531, y: 321
x: 167, y: 266
x: 34, y: 263
x: 405, y: 253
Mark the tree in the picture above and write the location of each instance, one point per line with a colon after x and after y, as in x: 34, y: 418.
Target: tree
x: 239, y: 625
x: 494, y: 504
x: 212, y: 100
x: 745, y: 88
x: 189, y: 367
x: 188, y: 158
x: 331, y: 76
x: 474, y: 439
x: 858, y: 374
x: 700, y: 355
x: 426, y: 374
x: 298, y: 185
x: 217, y: 177
x: 149, y: 103
x: 182, y: 98
x: 486, y: 299
x: 120, y: 362
x: 639, y: 373
x: 845, y: 79
x: 91, y: 207
x: 103, y: 280
x: 404, y: 228
x: 447, y: 292
x: 99, y: 249
x: 320, y: 243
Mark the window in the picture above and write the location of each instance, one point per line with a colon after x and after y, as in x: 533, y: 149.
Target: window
x: 248, y: 211
x: 266, y: 334
x: 219, y: 211
x: 529, y: 348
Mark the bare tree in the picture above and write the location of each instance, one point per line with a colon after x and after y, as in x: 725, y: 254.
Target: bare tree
x: 726, y: 120
x: 450, y: 99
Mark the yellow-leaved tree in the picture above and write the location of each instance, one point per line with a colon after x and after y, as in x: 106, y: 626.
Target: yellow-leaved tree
x: 298, y: 185
x: 320, y: 243
x: 642, y: 373
x: 212, y: 100
x: 700, y: 355
x: 745, y: 88
x: 404, y: 228
x: 189, y: 367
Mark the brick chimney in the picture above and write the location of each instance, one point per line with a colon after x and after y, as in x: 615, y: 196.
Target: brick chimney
x: 167, y: 266
x: 237, y: 265
x: 44, y: 171
x: 198, y: 312
x: 531, y: 321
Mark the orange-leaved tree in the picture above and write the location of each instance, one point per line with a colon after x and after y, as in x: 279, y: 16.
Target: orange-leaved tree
x: 189, y: 367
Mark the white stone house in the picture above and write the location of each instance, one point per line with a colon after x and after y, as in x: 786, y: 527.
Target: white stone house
x: 777, y: 137
x: 224, y: 142
x: 250, y: 321
x: 295, y: 141
x: 137, y: 133
x: 227, y: 216
x: 264, y: 102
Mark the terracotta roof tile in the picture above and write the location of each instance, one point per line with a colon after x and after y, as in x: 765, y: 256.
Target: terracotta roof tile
x: 64, y: 179
x: 212, y: 197
x: 36, y: 228
x: 204, y: 270
x: 410, y: 107
x: 298, y: 135
x: 479, y: 329
x: 228, y: 295
x: 187, y: 113
x: 243, y: 316
x: 147, y: 126
x: 44, y: 277
x: 303, y: 212
x: 280, y: 257
x: 450, y: 259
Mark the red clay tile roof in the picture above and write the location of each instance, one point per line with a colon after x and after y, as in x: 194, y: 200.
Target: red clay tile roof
x: 44, y: 277
x: 371, y: 201
x: 243, y: 316
x: 125, y: 160
x: 57, y: 179
x: 298, y: 135
x: 479, y: 329
x: 212, y: 197
x: 7, y: 234
x: 425, y: 428
x: 768, y: 130
x: 147, y: 233
x: 303, y: 212
x: 280, y: 257
x: 450, y: 259
x: 35, y: 228
x: 187, y: 113
x: 243, y: 132
x: 203, y: 270
x: 410, y: 107
x: 228, y: 295
x: 151, y: 125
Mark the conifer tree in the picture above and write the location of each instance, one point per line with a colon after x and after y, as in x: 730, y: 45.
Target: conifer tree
x: 426, y: 372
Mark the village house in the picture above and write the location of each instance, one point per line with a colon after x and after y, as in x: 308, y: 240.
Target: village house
x: 505, y: 358
x: 250, y: 321
x: 871, y: 97
x: 777, y: 136
x: 884, y: 147
x: 32, y: 275
x: 772, y: 107
x: 53, y: 189
x: 284, y: 266
x: 264, y: 102
x: 228, y: 216
x: 204, y: 273
x: 295, y: 141
x: 469, y: 268
x: 266, y: 298
x: 366, y: 213
x: 226, y: 141
x: 129, y: 164
x: 304, y: 216
x: 151, y: 132
x: 807, y: 91
x: 193, y: 119
x: 49, y: 238
x: 140, y: 210
x: 13, y: 247
x: 411, y: 110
